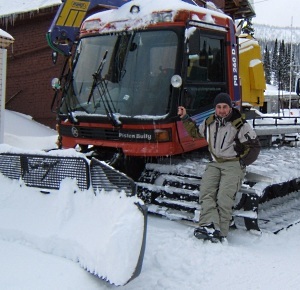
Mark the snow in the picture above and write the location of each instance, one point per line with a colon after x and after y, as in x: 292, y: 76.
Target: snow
x: 43, y: 245
x: 5, y: 39
x: 4, y: 34
x: 14, y: 7
x: 33, y: 258
x: 30, y: 135
x: 145, y: 15
x: 69, y: 223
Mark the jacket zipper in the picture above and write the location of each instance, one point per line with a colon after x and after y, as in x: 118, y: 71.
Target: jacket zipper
x: 223, y: 140
x: 215, y: 135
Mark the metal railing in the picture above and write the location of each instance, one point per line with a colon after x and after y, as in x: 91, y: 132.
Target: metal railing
x: 275, y: 121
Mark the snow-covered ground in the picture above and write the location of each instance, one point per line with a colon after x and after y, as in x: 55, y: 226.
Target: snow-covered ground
x: 173, y: 259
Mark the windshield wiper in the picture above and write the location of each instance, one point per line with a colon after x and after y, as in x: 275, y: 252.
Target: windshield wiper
x: 65, y: 99
x: 101, y: 85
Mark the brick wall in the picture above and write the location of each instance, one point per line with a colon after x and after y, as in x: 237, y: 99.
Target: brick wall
x: 30, y: 68
x: 3, y: 63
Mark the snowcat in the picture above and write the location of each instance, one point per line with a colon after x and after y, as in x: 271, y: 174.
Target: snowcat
x: 129, y: 65
x: 130, y: 68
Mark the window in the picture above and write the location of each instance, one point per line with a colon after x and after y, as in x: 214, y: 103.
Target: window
x: 132, y: 80
x: 208, y: 64
x: 206, y: 71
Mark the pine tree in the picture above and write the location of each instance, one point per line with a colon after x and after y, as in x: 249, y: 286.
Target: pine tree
x: 284, y: 66
x: 267, y: 65
x: 274, y: 64
x: 248, y: 28
x: 281, y: 70
x: 287, y: 67
x: 295, y: 68
x: 270, y: 56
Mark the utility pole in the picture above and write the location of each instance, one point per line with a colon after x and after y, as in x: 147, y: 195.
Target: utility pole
x: 291, y: 67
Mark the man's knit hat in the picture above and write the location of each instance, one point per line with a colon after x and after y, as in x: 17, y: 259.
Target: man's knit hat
x: 222, y: 98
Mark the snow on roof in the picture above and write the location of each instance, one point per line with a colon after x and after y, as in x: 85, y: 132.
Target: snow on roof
x: 4, y: 34
x: 273, y: 91
x: 14, y: 7
x: 5, y: 39
x: 146, y: 8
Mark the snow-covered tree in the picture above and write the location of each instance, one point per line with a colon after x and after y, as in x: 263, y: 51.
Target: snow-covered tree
x: 267, y: 65
x: 248, y: 28
x: 283, y: 66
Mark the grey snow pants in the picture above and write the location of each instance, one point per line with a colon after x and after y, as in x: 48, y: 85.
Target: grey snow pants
x: 219, y: 185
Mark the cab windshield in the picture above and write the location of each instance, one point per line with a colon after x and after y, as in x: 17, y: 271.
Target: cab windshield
x: 123, y: 74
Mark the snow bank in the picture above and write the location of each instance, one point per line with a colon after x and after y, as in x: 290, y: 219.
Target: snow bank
x: 102, y: 233
x: 23, y: 132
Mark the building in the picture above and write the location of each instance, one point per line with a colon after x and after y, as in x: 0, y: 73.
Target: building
x: 276, y: 100
x: 29, y: 66
x: 5, y: 40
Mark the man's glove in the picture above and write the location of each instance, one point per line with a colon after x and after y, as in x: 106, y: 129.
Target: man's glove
x: 239, y: 148
x: 243, y: 165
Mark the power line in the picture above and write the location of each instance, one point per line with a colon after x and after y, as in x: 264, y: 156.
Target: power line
x: 260, y: 1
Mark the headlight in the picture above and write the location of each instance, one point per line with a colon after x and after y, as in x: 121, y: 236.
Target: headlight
x: 162, y: 17
x: 91, y: 25
x: 162, y: 135
x: 176, y: 81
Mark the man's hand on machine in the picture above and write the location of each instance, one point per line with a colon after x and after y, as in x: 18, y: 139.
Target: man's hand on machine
x: 181, y: 112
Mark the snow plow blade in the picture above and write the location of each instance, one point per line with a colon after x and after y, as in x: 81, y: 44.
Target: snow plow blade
x: 45, y: 171
x: 102, y: 227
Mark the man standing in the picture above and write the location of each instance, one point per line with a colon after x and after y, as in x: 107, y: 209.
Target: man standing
x: 233, y: 144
